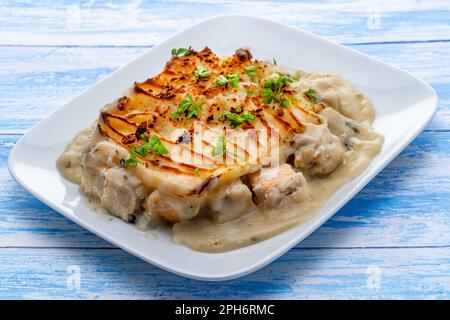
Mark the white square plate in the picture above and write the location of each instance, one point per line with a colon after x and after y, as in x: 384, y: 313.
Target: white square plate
x: 404, y: 106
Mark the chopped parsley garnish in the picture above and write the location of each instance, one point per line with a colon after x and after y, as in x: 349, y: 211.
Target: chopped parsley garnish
x: 132, y: 161
x: 284, y: 103
x: 188, y: 107
x: 310, y: 93
x: 278, y: 84
x: 251, y: 93
x: 234, y: 79
x: 181, y: 51
x: 197, y: 172
x: 272, y: 91
x: 151, y: 145
x: 251, y: 71
x: 221, y: 81
x: 225, y: 80
x: 238, y: 119
x: 269, y: 96
x: 202, y: 72
x: 221, y: 148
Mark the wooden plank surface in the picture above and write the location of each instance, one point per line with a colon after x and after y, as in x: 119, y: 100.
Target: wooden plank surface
x: 36, y: 81
x: 299, y: 274
x: 101, y: 22
x: 405, y: 205
x: 391, y: 241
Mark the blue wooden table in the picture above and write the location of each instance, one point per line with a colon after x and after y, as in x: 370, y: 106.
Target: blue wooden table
x: 391, y: 241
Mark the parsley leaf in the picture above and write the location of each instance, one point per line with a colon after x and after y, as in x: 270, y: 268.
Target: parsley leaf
x: 194, y: 110
x: 221, y: 147
x: 268, y: 95
x: 238, y: 119
x: 202, y: 72
x: 151, y: 145
x: 197, y: 172
x: 251, y: 71
x: 221, y: 80
x: 143, y: 137
x: 181, y: 51
x: 279, y: 83
x: 284, y: 103
x: 132, y: 161
x: 310, y: 93
x: 251, y: 93
x: 272, y: 91
x: 188, y: 107
x: 232, y: 78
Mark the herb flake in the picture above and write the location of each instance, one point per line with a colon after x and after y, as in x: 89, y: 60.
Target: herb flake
x: 151, y: 145
x: 237, y: 119
x: 251, y: 71
x: 224, y: 80
x: 234, y: 80
x: 201, y: 73
x: 273, y: 90
x: 188, y: 107
x: 132, y: 161
x: 181, y: 51
x: 310, y: 93
x: 221, y: 149
x: 221, y: 81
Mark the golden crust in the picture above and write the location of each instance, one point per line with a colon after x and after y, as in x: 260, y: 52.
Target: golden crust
x: 148, y: 109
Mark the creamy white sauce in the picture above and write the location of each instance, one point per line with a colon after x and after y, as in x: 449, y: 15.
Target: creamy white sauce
x: 205, y: 233
x: 69, y: 163
x: 202, y: 234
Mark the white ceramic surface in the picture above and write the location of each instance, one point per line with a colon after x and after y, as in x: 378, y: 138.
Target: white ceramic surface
x: 404, y: 106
